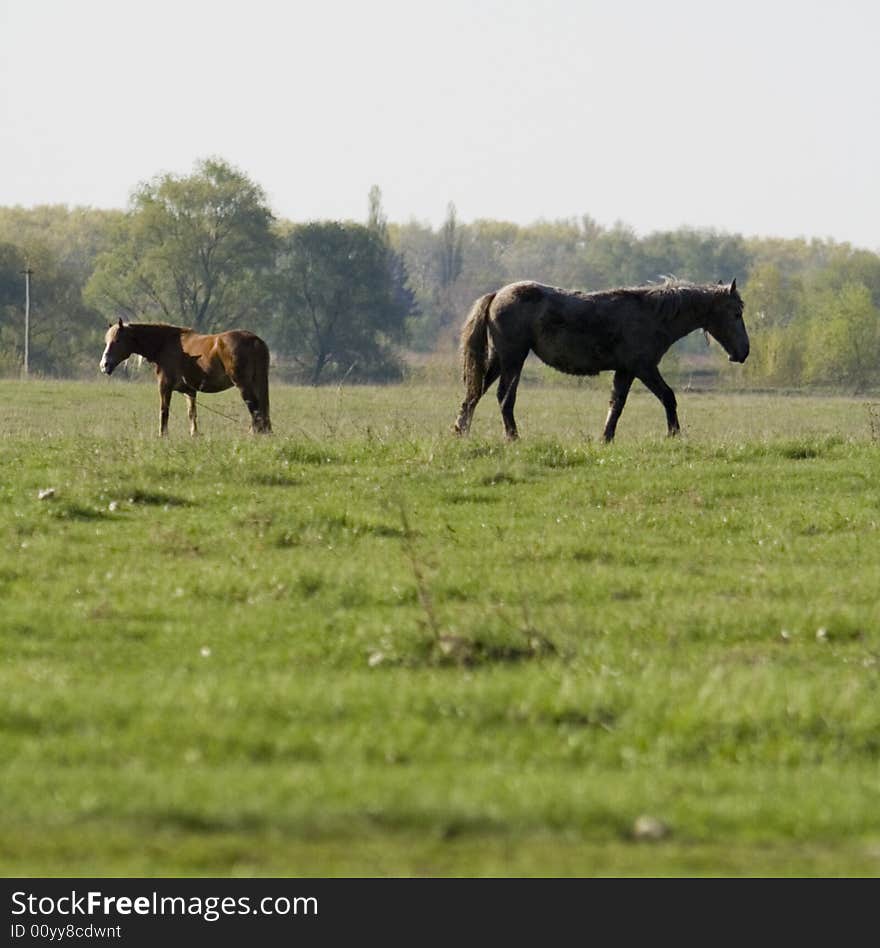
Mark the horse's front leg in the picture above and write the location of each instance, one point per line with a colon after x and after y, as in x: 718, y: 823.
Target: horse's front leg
x: 619, y: 391
x: 191, y: 414
x: 165, y: 389
x: 656, y: 384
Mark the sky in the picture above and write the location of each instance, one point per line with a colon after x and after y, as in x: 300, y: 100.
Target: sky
x: 761, y: 118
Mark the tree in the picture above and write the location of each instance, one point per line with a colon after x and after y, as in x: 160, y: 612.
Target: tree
x: 340, y: 313
x: 771, y: 298
x: 846, y: 266
x: 449, y: 263
x: 416, y: 246
x: 449, y: 251
x: 192, y: 250
x: 60, y: 245
x: 377, y: 223
x: 702, y: 256
x: 613, y: 259
x: 773, y: 303
x: 12, y: 262
x: 843, y: 340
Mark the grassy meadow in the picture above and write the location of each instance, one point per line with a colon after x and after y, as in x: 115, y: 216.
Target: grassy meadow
x: 364, y: 647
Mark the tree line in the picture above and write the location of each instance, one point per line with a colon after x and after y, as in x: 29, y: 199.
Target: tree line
x: 349, y: 299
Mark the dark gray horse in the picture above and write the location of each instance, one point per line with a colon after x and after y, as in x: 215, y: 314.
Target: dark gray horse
x: 625, y: 330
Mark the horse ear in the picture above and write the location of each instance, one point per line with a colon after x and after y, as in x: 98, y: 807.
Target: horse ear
x: 733, y: 287
x: 119, y: 322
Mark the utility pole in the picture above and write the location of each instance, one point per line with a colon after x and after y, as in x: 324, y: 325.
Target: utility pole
x: 27, y: 316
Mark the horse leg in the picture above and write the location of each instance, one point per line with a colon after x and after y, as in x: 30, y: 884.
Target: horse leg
x: 656, y: 384
x: 249, y: 395
x: 263, y: 398
x: 619, y: 390
x: 258, y: 390
x: 191, y: 414
x: 165, y: 389
x: 255, y: 394
x: 463, y: 423
x: 507, y: 386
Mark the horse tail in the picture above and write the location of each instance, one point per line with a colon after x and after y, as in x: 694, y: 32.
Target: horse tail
x: 475, y: 346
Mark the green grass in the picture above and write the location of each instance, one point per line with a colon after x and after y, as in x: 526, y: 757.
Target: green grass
x: 364, y: 647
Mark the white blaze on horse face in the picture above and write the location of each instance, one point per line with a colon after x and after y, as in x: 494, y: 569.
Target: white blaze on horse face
x: 108, y: 364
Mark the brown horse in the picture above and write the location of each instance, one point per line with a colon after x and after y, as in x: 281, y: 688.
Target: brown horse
x: 190, y: 363
x: 625, y: 330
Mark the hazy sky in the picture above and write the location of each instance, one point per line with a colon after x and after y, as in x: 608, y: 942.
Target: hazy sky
x: 757, y: 117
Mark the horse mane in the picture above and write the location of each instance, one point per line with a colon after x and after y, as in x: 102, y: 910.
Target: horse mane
x: 162, y: 326
x: 150, y: 337
x: 667, y: 297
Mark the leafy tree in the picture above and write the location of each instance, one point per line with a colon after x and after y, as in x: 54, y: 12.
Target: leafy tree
x: 377, y: 222
x: 449, y: 250
x: 415, y: 244
x: 697, y: 255
x: 449, y: 264
x: 12, y: 262
x: 486, y: 248
x: 844, y: 266
x: 777, y: 355
x: 402, y: 293
x: 60, y: 245
x: 774, y: 315
x: 433, y: 262
x: 772, y: 298
x: 340, y: 312
x: 612, y: 259
x: 192, y: 250
x: 843, y: 341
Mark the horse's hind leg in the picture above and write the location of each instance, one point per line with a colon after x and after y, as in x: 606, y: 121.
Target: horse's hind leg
x: 249, y: 395
x: 656, y: 384
x: 255, y: 395
x: 257, y: 402
x: 619, y: 391
x: 507, y: 386
x: 262, y: 424
x: 474, y: 394
x: 265, y: 425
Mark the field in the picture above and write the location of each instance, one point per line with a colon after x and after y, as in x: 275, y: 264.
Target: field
x: 363, y: 647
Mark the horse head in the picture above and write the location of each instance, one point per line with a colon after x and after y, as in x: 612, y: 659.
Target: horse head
x: 725, y: 323
x: 117, y: 347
